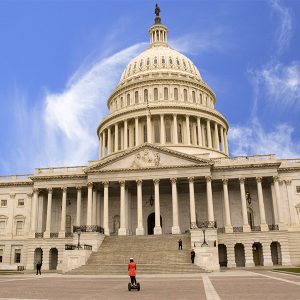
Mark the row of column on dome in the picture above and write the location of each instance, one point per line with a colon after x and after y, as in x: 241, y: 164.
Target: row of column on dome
x: 93, y: 207
x: 163, y: 129
x: 161, y: 93
x: 247, y: 254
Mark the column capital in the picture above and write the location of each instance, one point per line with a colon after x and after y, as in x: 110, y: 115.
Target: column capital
x: 173, y: 180
x: 139, y: 182
x: 64, y: 188
x: 191, y: 179
x: 187, y: 116
x: 156, y: 181
x: 12, y: 195
x: 162, y: 115
x: 225, y: 180
x: 174, y: 115
x: 276, y: 178
x: 122, y: 182
x: 208, y: 178
x: 78, y: 187
x: 136, y: 118
x: 29, y: 195
x: 258, y: 179
x: 90, y: 184
x: 242, y: 179
x: 49, y: 189
x: 105, y: 183
x: 36, y: 190
x: 288, y: 181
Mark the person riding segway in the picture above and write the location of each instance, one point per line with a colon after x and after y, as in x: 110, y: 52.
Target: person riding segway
x: 132, y: 273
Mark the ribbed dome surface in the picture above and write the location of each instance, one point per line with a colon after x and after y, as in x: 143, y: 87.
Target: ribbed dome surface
x: 160, y: 58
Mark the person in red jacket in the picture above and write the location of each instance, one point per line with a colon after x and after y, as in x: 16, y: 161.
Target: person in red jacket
x: 132, y: 271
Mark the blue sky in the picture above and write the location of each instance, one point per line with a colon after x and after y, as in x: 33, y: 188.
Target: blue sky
x: 59, y: 61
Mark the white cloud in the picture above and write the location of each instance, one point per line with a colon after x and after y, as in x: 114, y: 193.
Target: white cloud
x: 254, y: 139
x: 284, y: 31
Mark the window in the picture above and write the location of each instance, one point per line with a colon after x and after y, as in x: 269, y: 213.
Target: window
x: 156, y: 132
x: 185, y: 95
x: 122, y: 104
x: 148, y: 62
x: 168, y: 131
x: 176, y: 94
x: 155, y: 94
x: 128, y: 99
x: 166, y: 92
x: 179, y: 133
x: 17, y: 256
x: 20, y: 202
x: 19, y: 228
x: 194, y: 96
x: 68, y: 223
x: 145, y: 95
x: 200, y: 98
x: 171, y: 61
x: 145, y: 133
x: 3, y: 203
x: 298, y: 189
x: 163, y: 60
x: 2, y: 226
x: 141, y: 64
x: 136, y: 97
x: 155, y: 61
x: 1, y: 255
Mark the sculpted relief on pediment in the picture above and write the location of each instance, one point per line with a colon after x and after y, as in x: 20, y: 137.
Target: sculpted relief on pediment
x: 145, y: 159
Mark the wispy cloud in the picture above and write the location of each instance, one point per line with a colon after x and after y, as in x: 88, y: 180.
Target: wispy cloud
x: 254, y: 139
x: 285, y: 28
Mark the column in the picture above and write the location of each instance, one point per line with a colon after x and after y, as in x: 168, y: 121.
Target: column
x: 94, y: 209
x: 226, y: 142
x: 49, y: 210
x: 140, y: 228
x: 187, y: 125
x: 230, y: 256
x: 281, y: 224
x: 291, y: 203
x: 108, y: 140
x: 116, y: 137
x: 222, y: 139
x: 162, y: 130
x: 34, y: 207
x: 210, y: 206
x: 199, y: 131
x: 228, y: 225
x: 149, y: 129
x: 192, y: 203
x: 62, y: 232
x: 136, y: 124
x: 125, y: 135
x: 157, y: 228
x: 105, y: 208
x: 208, y: 134
x: 122, y: 229
x: 104, y: 142
x: 175, y: 227
x: 78, y: 210
x: 262, y: 214
x: 175, y: 134
x: 274, y: 203
x: 217, y: 140
x: 89, y: 204
x: 246, y: 226
x: 267, y: 256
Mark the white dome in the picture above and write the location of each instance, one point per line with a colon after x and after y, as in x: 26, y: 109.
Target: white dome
x: 160, y: 58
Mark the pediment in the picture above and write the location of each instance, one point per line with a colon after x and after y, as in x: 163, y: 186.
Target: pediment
x: 147, y: 156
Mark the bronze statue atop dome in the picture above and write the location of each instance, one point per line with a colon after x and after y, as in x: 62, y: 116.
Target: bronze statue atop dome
x: 157, y: 10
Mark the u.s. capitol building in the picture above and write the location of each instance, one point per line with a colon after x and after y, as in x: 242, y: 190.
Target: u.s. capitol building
x: 164, y: 169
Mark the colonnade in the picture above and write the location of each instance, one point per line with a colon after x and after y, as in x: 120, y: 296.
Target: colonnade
x: 91, y: 218
x: 198, y: 131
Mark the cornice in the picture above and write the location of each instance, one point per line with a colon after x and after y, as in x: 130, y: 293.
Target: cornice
x: 246, y: 166
x: 288, y: 169
x: 17, y: 183
x: 55, y: 177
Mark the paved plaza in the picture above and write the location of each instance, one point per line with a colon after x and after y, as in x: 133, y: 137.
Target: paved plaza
x: 229, y: 285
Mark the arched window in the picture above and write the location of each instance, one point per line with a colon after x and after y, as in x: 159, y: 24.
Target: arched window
x: 200, y: 98
x: 166, y: 93
x: 122, y: 104
x: 176, y: 94
x: 185, y: 95
x: 168, y: 126
x: 155, y: 94
x: 156, y: 131
x: 128, y: 99
x: 148, y: 62
x: 136, y: 97
x: 155, y: 61
x: 145, y: 133
x: 145, y: 95
x: 194, y: 96
x: 163, y: 60
x: 179, y: 130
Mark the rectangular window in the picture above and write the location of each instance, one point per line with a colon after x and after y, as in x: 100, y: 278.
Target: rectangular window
x: 2, y: 226
x: 20, y: 202
x: 3, y: 203
x: 1, y: 255
x: 17, y: 256
x: 19, y: 228
x: 298, y: 189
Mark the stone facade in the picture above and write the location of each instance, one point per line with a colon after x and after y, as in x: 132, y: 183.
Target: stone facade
x: 163, y: 168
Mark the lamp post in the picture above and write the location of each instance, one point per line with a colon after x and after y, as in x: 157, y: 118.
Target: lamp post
x: 204, y: 241
x: 78, y: 234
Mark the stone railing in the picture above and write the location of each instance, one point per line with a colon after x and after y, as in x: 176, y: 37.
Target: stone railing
x: 59, y: 170
x: 75, y: 247
x: 39, y: 235
x: 221, y: 230
x: 15, y: 177
x: 69, y: 234
x: 273, y: 227
x: 245, y: 159
x: 290, y: 160
x: 238, y: 229
x: 53, y: 235
x: 256, y: 228
x: 88, y: 228
x: 206, y: 224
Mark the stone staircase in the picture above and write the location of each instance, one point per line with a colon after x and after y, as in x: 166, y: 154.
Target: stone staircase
x: 153, y: 254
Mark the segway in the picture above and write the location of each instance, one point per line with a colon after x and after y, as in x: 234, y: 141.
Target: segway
x: 134, y: 287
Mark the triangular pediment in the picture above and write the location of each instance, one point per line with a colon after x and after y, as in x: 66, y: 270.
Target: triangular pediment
x: 147, y: 156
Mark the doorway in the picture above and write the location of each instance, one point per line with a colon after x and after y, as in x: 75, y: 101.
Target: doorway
x: 53, y: 259
x: 257, y: 254
x: 151, y: 223
x: 38, y: 256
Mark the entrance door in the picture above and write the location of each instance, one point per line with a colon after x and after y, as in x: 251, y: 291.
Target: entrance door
x: 53, y: 259
x: 151, y: 223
